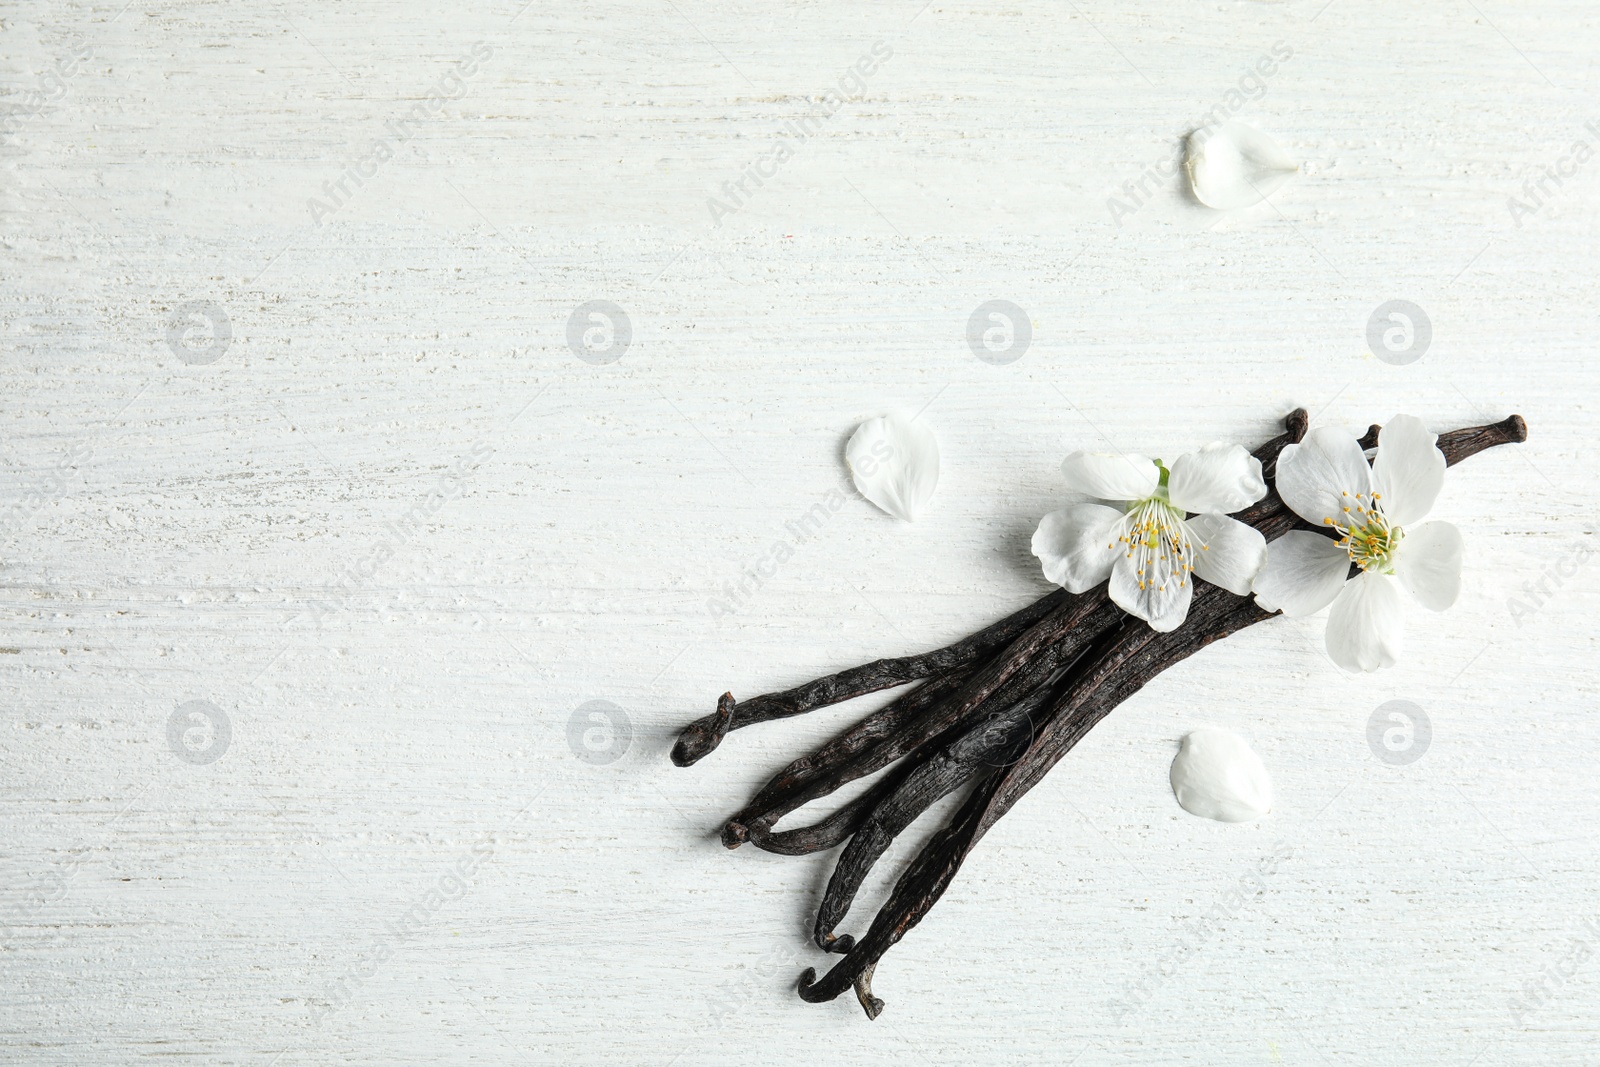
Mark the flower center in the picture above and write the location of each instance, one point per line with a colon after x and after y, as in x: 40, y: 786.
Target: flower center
x: 1153, y: 536
x: 1365, y: 532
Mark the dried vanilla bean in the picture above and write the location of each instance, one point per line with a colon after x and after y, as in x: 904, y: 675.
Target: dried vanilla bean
x: 703, y: 735
x: 1007, y: 677
x: 905, y: 724
x: 1119, y: 664
x: 984, y: 747
x: 1035, y: 683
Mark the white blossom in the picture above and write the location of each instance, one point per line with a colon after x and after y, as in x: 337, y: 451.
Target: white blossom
x: 1374, y: 513
x: 1169, y: 525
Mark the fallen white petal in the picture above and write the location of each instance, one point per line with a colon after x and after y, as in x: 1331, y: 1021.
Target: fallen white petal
x: 1234, y: 165
x: 895, y: 464
x: 1216, y: 775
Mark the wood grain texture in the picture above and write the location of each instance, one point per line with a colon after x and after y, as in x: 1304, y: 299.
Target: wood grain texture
x: 399, y: 535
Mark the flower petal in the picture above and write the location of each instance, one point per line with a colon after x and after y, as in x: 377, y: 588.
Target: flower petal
x: 1428, y: 563
x: 895, y: 464
x: 1234, y: 165
x: 1163, y: 601
x: 1110, y: 476
x: 1077, y: 545
x: 1315, y: 475
x: 1366, y: 627
x: 1408, y: 471
x: 1303, y: 573
x: 1226, y: 551
x: 1216, y: 775
x: 1219, y: 478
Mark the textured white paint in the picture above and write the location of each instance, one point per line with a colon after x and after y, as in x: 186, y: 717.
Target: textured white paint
x: 402, y: 538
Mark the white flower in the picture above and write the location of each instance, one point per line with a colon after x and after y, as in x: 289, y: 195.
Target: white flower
x: 1326, y: 481
x: 1147, y: 547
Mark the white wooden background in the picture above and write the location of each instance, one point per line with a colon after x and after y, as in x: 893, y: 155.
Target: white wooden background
x: 396, y: 854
